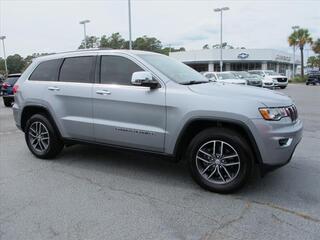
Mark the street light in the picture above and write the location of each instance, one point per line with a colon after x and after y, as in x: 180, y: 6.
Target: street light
x: 84, y: 22
x: 129, y: 16
x: 294, y: 28
x: 2, y: 38
x: 221, y: 10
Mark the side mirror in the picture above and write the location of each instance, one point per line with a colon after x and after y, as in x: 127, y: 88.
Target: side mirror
x: 144, y: 79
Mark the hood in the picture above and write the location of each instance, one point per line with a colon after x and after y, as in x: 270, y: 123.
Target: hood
x: 235, y: 92
x: 234, y: 81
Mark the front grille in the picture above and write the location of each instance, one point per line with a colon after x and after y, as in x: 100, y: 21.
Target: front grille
x: 292, y: 112
x: 281, y: 79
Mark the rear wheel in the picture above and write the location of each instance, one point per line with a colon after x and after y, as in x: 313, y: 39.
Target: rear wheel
x: 7, y: 102
x: 219, y: 160
x: 42, y: 138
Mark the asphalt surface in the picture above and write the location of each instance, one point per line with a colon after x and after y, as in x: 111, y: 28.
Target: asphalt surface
x: 96, y: 193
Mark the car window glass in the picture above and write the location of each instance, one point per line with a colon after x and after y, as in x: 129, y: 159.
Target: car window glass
x: 11, y: 80
x: 117, y: 70
x: 46, y: 71
x: 77, y: 69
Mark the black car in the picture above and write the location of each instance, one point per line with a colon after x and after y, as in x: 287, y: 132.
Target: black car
x: 7, y: 89
x: 313, y: 78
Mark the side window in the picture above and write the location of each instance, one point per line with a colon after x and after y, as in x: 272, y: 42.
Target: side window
x: 117, y: 70
x: 46, y: 71
x: 77, y: 69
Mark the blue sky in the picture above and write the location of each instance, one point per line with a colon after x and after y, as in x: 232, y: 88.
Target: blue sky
x: 53, y: 26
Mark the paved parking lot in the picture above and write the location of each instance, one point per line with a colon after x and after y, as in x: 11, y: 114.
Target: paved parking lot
x: 96, y: 193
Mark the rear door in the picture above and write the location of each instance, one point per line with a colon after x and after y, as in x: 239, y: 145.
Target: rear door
x: 124, y: 114
x: 70, y: 98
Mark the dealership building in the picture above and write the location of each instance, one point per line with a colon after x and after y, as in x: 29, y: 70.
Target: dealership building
x: 237, y: 60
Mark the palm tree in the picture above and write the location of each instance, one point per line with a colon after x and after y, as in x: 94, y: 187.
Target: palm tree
x: 300, y: 38
x: 316, y: 46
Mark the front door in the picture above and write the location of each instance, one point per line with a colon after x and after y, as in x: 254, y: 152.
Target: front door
x: 124, y: 114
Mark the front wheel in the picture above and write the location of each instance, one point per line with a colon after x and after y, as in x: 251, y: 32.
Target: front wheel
x: 283, y: 87
x: 42, y: 138
x: 220, y: 160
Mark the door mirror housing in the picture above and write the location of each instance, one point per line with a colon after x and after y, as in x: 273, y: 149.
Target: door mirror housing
x: 144, y: 79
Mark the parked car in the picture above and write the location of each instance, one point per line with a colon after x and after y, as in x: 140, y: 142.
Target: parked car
x: 7, y: 89
x: 145, y: 101
x: 224, y: 77
x: 313, y: 78
x: 252, y: 79
x: 278, y: 80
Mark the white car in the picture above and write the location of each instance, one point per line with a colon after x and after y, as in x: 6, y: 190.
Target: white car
x: 269, y: 75
x: 224, y: 77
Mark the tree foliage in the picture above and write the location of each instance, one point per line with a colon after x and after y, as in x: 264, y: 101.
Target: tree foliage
x: 316, y: 46
x: 300, y: 38
x: 116, y: 41
x: 314, y: 61
x: 91, y: 42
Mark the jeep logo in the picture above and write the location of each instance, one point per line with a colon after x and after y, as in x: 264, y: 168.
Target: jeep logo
x: 243, y: 55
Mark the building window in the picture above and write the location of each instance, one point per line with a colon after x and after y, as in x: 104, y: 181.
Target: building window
x: 245, y: 66
x: 199, y: 67
x: 272, y: 66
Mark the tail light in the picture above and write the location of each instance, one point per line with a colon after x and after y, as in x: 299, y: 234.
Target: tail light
x: 15, y: 88
x: 5, y: 85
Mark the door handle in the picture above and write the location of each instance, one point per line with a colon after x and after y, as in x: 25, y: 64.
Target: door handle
x: 103, y: 92
x: 53, y: 88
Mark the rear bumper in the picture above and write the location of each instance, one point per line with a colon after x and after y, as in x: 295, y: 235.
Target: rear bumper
x: 8, y: 96
x: 17, y: 115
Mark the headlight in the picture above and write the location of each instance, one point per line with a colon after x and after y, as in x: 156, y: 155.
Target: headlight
x: 273, y: 114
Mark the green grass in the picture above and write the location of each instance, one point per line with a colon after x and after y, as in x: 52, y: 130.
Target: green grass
x: 298, y: 79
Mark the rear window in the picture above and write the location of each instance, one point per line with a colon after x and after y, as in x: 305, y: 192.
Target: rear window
x: 77, y: 69
x: 11, y: 80
x: 46, y: 71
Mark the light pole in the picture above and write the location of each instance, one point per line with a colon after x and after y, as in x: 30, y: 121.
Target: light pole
x: 129, y: 16
x: 84, y: 22
x: 4, y: 54
x: 221, y: 10
x: 294, y: 28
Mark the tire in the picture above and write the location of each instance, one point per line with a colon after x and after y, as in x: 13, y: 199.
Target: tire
x: 50, y: 145
x: 233, y: 144
x: 283, y: 87
x: 7, y: 102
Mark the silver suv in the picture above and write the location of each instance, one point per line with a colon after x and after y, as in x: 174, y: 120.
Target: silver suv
x: 146, y: 101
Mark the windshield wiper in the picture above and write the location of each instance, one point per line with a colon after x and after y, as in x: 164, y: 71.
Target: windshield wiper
x: 194, y: 82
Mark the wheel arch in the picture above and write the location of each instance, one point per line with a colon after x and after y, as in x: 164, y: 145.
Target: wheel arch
x: 31, y: 110
x: 194, y: 126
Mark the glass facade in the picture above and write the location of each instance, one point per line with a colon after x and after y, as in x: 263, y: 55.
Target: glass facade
x: 241, y: 66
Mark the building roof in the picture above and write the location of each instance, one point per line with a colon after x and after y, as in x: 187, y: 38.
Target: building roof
x: 233, y: 55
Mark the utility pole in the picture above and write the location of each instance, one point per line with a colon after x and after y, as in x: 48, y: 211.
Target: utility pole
x: 221, y: 10
x: 84, y: 22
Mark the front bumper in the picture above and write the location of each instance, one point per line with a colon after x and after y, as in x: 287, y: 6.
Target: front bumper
x: 277, y: 141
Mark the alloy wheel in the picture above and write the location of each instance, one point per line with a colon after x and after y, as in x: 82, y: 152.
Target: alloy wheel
x: 218, y: 162
x: 39, y: 138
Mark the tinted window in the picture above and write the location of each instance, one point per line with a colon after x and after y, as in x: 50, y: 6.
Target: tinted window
x: 76, y: 69
x: 11, y: 80
x: 117, y: 70
x: 46, y: 71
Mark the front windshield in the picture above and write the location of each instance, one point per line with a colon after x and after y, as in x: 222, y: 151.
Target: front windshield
x: 270, y: 73
x: 244, y: 74
x: 173, y: 69
x: 224, y: 76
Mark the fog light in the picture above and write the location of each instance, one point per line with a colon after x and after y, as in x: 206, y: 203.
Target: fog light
x: 283, y: 141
